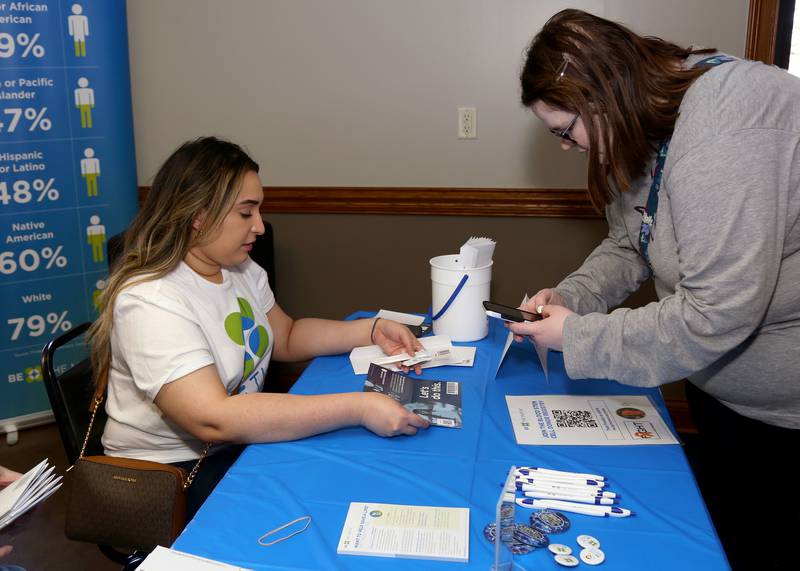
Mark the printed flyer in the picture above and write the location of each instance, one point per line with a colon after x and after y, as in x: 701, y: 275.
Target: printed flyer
x: 416, y: 532
x: 587, y: 420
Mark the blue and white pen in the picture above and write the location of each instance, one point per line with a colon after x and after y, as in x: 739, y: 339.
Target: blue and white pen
x: 541, y: 471
x: 552, y: 480
x: 585, y: 490
x: 572, y: 507
x: 581, y: 499
x: 612, y: 511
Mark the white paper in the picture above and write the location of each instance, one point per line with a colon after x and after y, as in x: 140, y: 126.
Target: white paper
x: 36, y: 485
x: 587, y: 420
x: 163, y: 559
x: 416, y: 532
x: 404, y: 318
x: 541, y: 352
x: 477, y: 252
x: 439, y: 345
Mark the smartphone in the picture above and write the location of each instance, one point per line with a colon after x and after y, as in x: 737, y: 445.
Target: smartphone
x: 508, y: 313
x: 419, y: 330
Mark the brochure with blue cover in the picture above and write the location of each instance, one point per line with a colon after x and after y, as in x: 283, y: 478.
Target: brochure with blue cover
x: 439, y: 402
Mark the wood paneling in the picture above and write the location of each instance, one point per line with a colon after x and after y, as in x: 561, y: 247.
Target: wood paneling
x: 762, y: 26
x: 542, y: 202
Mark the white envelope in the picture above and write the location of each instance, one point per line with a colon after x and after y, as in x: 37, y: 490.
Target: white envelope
x: 440, y: 346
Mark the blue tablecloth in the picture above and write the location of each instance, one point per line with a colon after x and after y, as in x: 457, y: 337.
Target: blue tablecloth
x: 272, y: 484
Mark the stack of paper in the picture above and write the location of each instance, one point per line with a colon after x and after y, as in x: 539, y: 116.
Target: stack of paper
x: 38, y: 484
x: 417, y: 532
x: 477, y: 252
x: 163, y: 559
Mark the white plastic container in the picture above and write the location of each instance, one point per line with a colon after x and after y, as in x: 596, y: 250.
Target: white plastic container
x: 465, y: 319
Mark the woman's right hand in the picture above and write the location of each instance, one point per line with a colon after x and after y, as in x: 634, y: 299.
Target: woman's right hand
x: 386, y: 417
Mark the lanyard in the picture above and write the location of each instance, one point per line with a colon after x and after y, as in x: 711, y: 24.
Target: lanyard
x: 648, y: 212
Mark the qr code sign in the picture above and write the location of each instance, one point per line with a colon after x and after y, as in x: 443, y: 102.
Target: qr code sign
x: 574, y: 418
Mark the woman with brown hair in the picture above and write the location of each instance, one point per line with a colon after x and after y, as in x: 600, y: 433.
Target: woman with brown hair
x: 189, y: 324
x: 695, y: 157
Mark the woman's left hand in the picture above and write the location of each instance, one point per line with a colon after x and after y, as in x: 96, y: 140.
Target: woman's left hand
x: 547, y: 332
x: 394, y: 338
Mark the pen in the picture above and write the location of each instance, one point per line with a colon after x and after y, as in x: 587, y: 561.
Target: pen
x: 551, y: 480
x: 557, y: 478
x: 574, y: 508
x: 532, y: 470
x: 585, y: 491
x: 582, y: 499
x: 612, y: 511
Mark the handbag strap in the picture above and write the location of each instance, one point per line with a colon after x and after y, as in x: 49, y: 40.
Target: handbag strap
x: 99, y: 395
x: 97, y: 400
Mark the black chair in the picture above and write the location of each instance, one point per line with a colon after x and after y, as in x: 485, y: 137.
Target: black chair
x: 70, y: 394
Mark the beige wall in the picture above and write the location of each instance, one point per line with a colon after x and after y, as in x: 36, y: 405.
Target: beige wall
x: 364, y: 93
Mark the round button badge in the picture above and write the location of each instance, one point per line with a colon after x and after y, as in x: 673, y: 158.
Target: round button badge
x: 567, y: 560
x: 592, y: 556
x: 529, y: 536
x: 588, y: 541
x: 490, y: 532
x: 548, y: 521
x: 559, y: 549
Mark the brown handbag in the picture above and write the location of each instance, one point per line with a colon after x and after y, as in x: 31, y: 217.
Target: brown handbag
x: 122, y: 502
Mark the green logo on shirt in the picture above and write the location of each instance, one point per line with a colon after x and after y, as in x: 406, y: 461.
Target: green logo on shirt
x: 242, y: 329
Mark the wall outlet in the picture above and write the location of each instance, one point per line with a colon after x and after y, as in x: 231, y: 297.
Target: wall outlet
x: 467, y: 122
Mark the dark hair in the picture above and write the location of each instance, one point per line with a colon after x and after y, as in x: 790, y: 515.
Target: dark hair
x: 633, y: 84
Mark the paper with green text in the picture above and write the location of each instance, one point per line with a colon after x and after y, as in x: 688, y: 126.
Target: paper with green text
x: 416, y: 532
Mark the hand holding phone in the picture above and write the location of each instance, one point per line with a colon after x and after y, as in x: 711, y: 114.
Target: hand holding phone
x: 508, y: 313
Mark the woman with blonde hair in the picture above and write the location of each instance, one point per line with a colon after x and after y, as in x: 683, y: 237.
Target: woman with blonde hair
x: 189, y: 324
x: 695, y: 157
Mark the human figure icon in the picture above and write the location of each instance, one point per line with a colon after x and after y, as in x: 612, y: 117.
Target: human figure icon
x: 96, y: 237
x: 90, y: 170
x: 99, y: 286
x: 78, y: 29
x: 84, y: 100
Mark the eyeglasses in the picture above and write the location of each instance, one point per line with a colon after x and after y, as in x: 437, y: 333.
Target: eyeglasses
x: 564, y: 133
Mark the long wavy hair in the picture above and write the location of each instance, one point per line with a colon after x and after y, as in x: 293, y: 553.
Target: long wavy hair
x: 201, y: 176
x: 629, y: 85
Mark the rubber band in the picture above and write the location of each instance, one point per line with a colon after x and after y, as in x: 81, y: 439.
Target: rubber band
x: 284, y: 526
x: 372, y: 331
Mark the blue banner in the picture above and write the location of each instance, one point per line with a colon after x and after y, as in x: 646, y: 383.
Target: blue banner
x: 67, y: 179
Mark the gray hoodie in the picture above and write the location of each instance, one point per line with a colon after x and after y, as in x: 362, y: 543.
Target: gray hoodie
x: 725, y: 254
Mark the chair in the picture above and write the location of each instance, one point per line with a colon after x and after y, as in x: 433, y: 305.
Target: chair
x: 70, y: 394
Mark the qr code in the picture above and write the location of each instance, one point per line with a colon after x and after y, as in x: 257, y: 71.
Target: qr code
x: 574, y: 418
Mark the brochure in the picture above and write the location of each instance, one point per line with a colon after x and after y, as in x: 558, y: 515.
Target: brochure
x: 437, y: 401
x: 36, y: 485
x: 416, y: 532
x: 590, y: 419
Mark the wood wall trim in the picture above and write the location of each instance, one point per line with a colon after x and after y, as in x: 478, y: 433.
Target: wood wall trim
x: 762, y: 26
x: 521, y: 202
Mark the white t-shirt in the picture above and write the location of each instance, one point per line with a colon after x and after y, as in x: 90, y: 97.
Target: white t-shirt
x: 165, y: 329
